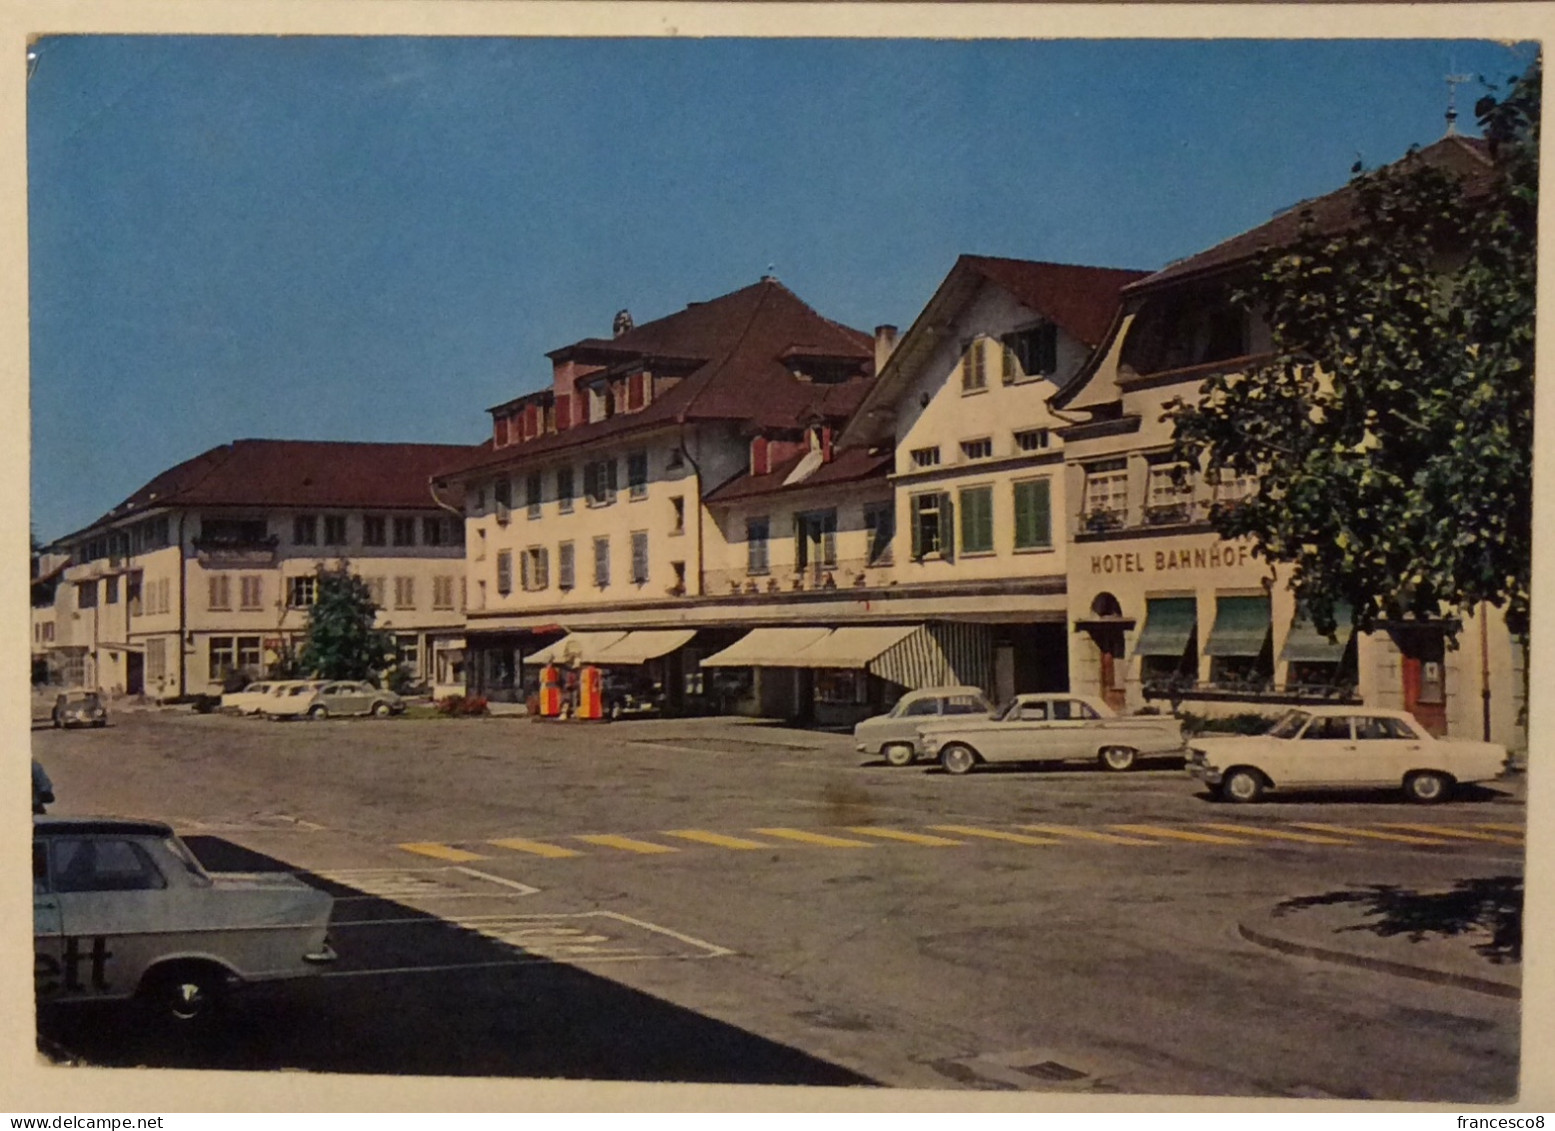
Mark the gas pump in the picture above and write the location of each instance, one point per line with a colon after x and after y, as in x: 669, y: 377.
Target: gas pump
x: 550, y: 691
x: 591, y: 693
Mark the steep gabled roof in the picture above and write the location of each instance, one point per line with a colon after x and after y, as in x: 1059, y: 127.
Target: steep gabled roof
x: 1079, y: 300
x: 1466, y: 157
x: 295, y: 473
x: 743, y: 340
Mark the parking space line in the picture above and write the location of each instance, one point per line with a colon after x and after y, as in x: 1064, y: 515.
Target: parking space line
x: 1515, y: 830
x: 1086, y: 834
x: 1455, y: 834
x: 1272, y: 834
x: 820, y: 839
x: 1369, y: 834
x: 626, y: 843
x: 535, y: 847
x: 909, y: 838
x: 1178, y: 834
x: 993, y: 834
x: 521, y: 888
x: 442, y: 852
x: 717, y: 840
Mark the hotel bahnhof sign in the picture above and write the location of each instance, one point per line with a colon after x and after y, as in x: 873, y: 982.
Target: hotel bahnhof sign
x: 1217, y: 556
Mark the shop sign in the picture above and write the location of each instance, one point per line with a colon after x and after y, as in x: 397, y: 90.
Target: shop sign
x: 1218, y: 556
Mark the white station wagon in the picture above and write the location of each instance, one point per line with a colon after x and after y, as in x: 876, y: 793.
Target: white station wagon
x: 1051, y: 727
x: 122, y: 909
x: 1343, y: 748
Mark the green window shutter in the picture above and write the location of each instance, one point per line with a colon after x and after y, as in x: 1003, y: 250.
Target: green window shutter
x: 977, y: 520
x: 947, y: 527
x: 1033, y: 514
x: 917, y: 530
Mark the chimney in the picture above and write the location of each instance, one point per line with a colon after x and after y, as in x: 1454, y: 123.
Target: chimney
x: 885, y: 346
x: 622, y: 323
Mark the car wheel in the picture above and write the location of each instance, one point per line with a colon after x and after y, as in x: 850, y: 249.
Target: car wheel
x: 1241, y: 786
x: 381, y: 710
x: 1116, y: 758
x: 185, y: 996
x: 899, y: 754
x: 1427, y: 787
x: 319, y: 712
x: 958, y: 758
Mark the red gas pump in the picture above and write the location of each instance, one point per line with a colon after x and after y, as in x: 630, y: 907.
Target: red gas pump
x: 591, y: 693
x: 550, y: 692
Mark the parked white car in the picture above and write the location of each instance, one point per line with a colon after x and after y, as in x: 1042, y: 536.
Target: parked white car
x: 1343, y: 748
x: 251, y: 699
x: 894, y: 735
x: 1052, y: 727
x: 122, y: 909
x: 340, y: 697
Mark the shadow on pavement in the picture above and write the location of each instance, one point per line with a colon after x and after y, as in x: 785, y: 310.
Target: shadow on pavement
x: 416, y: 994
x: 1492, y: 905
x: 1471, y: 794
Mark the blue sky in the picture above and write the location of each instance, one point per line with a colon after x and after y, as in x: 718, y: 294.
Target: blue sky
x: 377, y: 239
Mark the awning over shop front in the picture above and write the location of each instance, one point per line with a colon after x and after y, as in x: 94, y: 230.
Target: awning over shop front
x: 646, y: 644
x: 1306, y: 645
x: 855, y: 646
x: 767, y: 648
x: 1169, y: 623
x: 1241, y: 627
x: 584, y: 647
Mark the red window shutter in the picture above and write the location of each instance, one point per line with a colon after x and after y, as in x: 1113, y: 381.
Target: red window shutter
x: 759, y: 465
x: 500, y: 435
x: 826, y: 444
x: 563, y: 413
x: 634, y: 392
x: 581, y: 401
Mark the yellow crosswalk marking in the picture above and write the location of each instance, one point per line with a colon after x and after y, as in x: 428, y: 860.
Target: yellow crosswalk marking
x: 994, y: 834
x: 442, y: 852
x: 718, y: 840
x: 910, y: 838
x: 820, y: 839
x: 1369, y: 834
x: 1177, y: 834
x: 626, y: 843
x: 535, y: 847
x: 1085, y: 834
x: 1515, y: 830
x: 1455, y: 834
x: 1271, y: 834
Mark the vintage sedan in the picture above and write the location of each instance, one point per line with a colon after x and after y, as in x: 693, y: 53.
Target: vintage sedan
x: 1052, y: 727
x: 894, y: 735
x: 340, y: 697
x: 79, y: 708
x: 1343, y: 748
x: 250, y: 700
x: 122, y: 909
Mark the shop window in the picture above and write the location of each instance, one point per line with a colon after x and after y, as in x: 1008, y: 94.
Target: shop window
x: 248, y: 654
x: 223, y: 656
x: 840, y: 686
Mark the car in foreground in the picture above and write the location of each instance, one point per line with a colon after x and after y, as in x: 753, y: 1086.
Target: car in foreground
x: 123, y: 910
x: 894, y: 735
x: 1052, y: 727
x: 1343, y: 748
x: 79, y: 708
x: 340, y: 697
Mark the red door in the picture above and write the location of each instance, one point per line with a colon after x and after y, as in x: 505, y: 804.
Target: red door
x: 1425, y: 677
x: 1109, y: 641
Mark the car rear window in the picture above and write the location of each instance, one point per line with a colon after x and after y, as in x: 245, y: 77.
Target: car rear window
x: 103, y: 864
x: 965, y: 705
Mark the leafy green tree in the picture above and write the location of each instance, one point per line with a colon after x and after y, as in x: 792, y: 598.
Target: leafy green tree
x: 1391, y: 430
x: 341, y: 642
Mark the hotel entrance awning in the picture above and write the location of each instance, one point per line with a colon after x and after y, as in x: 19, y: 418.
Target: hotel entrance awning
x: 767, y: 648
x: 1306, y: 645
x: 1169, y: 623
x: 1241, y: 627
x: 640, y: 646
x: 584, y: 647
x: 856, y: 646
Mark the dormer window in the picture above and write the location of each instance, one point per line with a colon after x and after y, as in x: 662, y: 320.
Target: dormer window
x: 500, y: 431
x: 1030, y: 353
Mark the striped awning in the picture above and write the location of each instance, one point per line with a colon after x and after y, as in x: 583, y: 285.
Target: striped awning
x: 584, y: 647
x: 1241, y: 627
x: 767, y: 648
x: 640, y: 646
x: 856, y: 646
x: 1306, y: 645
x: 1169, y: 624
x: 940, y: 654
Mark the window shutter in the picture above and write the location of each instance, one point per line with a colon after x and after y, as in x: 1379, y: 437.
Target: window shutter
x: 1042, y: 513
x: 947, y: 528
x: 829, y: 541
x: 610, y: 476
x: 543, y: 569
x: 917, y: 530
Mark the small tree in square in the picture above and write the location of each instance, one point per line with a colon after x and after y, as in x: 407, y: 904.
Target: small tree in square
x: 341, y: 642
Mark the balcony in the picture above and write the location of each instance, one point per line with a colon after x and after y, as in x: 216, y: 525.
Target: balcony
x: 1180, y: 689
x: 843, y: 574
